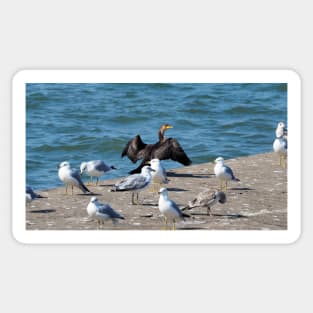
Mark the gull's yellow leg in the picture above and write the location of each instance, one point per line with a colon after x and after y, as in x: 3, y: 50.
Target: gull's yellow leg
x: 174, y: 225
x: 72, y: 189
x: 165, y: 223
x: 97, y: 181
x: 66, y: 189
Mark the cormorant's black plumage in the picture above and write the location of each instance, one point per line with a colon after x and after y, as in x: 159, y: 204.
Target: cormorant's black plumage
x: 164, y: 149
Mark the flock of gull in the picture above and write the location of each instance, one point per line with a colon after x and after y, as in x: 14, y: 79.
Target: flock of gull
x: 152, y: 174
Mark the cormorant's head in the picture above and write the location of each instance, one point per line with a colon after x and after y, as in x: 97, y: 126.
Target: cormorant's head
x: 164, y: 127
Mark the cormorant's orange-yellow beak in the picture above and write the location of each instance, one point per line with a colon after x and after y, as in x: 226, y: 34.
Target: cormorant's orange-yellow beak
x: 168, y: 126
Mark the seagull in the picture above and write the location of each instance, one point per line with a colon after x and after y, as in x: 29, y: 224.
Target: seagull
x: 169, y: 209
x: 281, y: 130
x: 280, y: 144
x: 223, y: 172
x: 31, y: 195
x: 28, y: 198
x: 136, y: 182
x: 206, y: 199
x: 71, y: 177
x: 159, y: 174
x: 95, y: 168
x: 102, y: 212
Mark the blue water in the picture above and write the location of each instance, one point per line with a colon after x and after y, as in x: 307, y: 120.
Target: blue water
x: 81, y: 122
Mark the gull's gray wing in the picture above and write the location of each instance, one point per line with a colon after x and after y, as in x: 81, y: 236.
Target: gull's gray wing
x: 132, y: 182
x: 75, y: 174
x: 106, y: 209
x: 229, y: 171
x: 31, y: 192
x: 101, y: 166
x: 176, y: 208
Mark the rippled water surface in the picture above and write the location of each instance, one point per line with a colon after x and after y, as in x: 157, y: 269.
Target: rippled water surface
x: 80, y: 122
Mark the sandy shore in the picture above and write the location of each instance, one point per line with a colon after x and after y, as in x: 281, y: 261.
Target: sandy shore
x: 257, y: 202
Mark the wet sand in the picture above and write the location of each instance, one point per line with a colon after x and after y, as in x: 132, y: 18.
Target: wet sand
x: 257, y: 202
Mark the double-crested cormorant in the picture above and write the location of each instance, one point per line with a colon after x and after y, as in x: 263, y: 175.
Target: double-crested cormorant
x: 164, y: 149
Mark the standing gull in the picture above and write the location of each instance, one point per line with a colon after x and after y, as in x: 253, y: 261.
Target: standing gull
x: 169, y: 209
x: 102, y: 212
x: 159, y: 174
x: 223, y: 173
x: 280, y: 144
x: 281, y: 130
x: 135, y: 183
x: 206, y: 199
x: 95, y: 168
x: 71, y: 177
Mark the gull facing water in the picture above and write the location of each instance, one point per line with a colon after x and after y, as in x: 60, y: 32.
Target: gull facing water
x: 71, y: 177
x: 223, y: 172
x: 135, y: 183
x: 95, y: 168
x: 280, y: 144
x: 102, y: 212
x: 170, y: 209
x: 281, y: 130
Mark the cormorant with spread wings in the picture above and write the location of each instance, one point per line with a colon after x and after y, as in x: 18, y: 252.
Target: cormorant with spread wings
x: 164, y: 149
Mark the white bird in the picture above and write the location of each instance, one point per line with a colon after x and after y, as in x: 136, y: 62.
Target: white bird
x: 135, y: 183
x: 281, y: 130
x: 169, y: 209
x: 280, y: 144
x: 71, y: 177
x: 95, y: 168
x: 206, y: 199
x: 102, y: 212
x: 159, y: 174
x: 28, y: 198
x: 223, y: 173
x: 31, y: 195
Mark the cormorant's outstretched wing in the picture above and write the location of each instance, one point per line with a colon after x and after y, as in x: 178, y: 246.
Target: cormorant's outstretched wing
x: 133, y: 148
x: 171, y: 149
